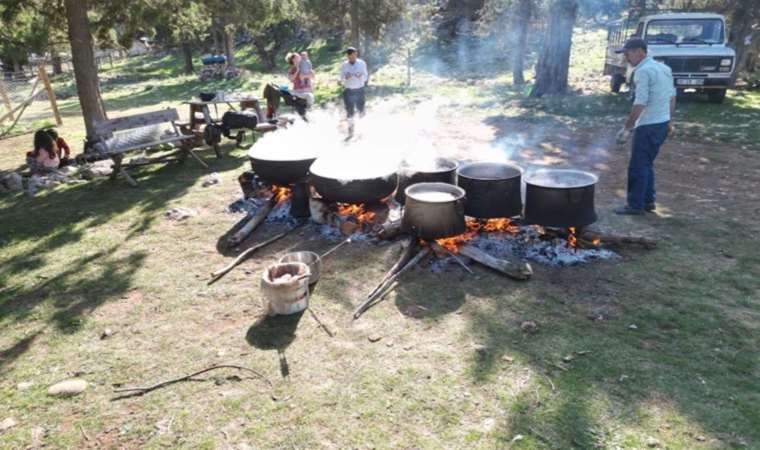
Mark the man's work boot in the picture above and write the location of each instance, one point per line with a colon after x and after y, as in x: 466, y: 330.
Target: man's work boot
x: 650, y: 207
x: 628, y: 211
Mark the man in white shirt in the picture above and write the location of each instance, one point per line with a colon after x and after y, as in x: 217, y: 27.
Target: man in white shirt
x: 353, y: 77
x: 649, y: 122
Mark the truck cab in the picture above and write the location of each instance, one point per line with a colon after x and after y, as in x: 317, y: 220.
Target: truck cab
x: 694, y: 45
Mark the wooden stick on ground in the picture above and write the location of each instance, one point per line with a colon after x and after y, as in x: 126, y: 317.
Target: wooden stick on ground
x: 388, y: 230
x: 410, y: 248
x: 440, y: 249
x: 380, y: 293
x: 216, y: 276
x: 319, y: 322
x: 613, y: 239
x: 513, y: 269
x: 259, y: 217
x: 144, y: 390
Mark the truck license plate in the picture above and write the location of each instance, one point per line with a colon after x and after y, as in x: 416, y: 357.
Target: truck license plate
x: 694, y: 82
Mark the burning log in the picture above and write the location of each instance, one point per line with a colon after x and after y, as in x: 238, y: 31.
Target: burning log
x: 388, y: 230
x: 257, y: 219
x: 597, y: 239
x: 382, y: 291
x: 438, y: 249
x: 513, y: 269
x: 410, y: 247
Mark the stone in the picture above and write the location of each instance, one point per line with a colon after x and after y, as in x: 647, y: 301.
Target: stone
x: 67, y: 388
x: 24, y: 385
x: 529, y: 326
x: 652, y: 442
x: 212, y: 180
x: 10, y: 422
x: 178, y: 214
x: 374, y: 337
x: 106, y: 333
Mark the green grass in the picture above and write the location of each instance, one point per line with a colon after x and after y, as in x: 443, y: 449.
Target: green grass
x: 453, y: 368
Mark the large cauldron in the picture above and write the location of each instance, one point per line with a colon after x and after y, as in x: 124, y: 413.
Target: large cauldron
x: 440, y: 170
x: 434, y: 210
x: 493, y: 189
x: 341, y: 183
x: 279, y: 171
x: 560, y: 198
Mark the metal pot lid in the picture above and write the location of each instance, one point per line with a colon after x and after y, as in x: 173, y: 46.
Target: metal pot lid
x: 263, y: 153
x: 561, y: 178
x: 434, y: 192
x: 432, y: 165
x: 490, y: 171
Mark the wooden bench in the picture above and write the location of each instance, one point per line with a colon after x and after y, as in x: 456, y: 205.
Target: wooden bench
x: 146, y: 134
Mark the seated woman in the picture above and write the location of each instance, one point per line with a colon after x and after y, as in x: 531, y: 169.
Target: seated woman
x: 300, y: 97
x: 63, y: 150
x: 44, y: 158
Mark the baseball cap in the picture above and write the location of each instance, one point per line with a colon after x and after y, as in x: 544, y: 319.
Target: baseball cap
x: 633, y: 43
x: 350, y: 50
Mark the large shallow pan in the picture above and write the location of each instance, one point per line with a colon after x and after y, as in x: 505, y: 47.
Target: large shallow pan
x: 437, y: 170
x: 434, y: 210
x: 493, y: 189
x: 560, y: 198
x: 281, y: 172
x: 352, y: 186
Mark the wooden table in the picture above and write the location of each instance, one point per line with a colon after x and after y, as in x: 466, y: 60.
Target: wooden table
x: 201, y: 118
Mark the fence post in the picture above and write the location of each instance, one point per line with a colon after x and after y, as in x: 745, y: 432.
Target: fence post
x: 50, y: 94
x: 6, y: 100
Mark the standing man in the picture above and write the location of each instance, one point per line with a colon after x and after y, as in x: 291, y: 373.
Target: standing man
x: 649, y: 122
x: 353, y: 77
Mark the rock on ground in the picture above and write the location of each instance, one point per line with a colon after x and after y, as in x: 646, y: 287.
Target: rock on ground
x: 67, y: 388
x: 12, y: 182
x: 10, y: 422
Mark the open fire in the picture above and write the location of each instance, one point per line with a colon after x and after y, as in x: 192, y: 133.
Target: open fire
x: 281, y: 193
x: 359, y: 212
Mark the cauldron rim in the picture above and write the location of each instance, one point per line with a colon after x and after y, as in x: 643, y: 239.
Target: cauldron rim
x: 463, y: 168
x: 533, y: 180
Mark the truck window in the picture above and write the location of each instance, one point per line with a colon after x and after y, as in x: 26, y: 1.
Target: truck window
x: 685, y: 31
x: 639, y: 30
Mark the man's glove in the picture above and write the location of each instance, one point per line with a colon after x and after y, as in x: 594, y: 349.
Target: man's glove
x: 623, y: 136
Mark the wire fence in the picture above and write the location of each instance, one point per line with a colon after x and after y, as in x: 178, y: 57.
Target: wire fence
x: 26, y: 104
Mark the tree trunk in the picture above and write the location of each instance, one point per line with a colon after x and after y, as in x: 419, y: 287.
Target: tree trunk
x: 741, y: 24
x: 55, y: 59
x: 521, y: 22
x: 83, y: 57
x: 17, y: 68
x: 187, y: 53
x: 554, y: 62
x: 354, y: 15
x: 229, y: 47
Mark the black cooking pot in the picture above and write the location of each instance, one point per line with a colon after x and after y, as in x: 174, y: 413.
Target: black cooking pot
x: 362, y: 190
x: 493, y: 189
x: 280, y: 172
x: 445, y: 171
x: 560, y: 198
x: 434, y: 210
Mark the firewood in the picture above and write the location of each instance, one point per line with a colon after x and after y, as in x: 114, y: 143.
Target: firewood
x: 381, y: 292
x: 216, y: 276
x: 518, y: 270
x: 257, y: 219
x: 618, y: 240
x: 388, y: 230
x: 409, y: 246
x: 440, y: 249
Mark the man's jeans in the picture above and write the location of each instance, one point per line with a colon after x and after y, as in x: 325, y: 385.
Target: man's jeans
x: 647, y: 140
x: 354, y: 100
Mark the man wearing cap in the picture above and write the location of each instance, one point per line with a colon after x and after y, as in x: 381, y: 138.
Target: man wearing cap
x: 649, y: 123
x: 353, y: 77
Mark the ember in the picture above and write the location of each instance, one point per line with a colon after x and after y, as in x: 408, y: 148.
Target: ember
x: 281, y: 193
x: 493, y: 225
x: 359, y: 212
x: 572, y: 240
x: 452, y: 244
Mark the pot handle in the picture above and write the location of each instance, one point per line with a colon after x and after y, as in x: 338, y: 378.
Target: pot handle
x: 575, y: 195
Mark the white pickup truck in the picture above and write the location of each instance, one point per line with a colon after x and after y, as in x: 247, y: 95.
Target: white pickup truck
x: 694, y: 45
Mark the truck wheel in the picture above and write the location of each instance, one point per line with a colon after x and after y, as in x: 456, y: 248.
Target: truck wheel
x: 616, y: 82
x: 716, y: 95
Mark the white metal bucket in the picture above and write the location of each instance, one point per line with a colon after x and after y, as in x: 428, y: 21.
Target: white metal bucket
x: 287, y: 296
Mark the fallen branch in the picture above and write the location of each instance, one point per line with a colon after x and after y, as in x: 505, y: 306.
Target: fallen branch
x: 438, y: 248
x: 321, y: 325
x: 258, y: 217
x: 136, y: 391
x: 519, y: 270
x: 410, y: 248
x: 382, y: 291
x: 216, y: 276
x: 613, y: 239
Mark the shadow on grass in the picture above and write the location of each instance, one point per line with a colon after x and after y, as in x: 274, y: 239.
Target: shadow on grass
x: 38, y: 229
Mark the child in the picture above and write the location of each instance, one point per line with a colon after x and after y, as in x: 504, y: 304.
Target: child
x: 304, y: 69
x: 44, y: 158
x: 63, y: 148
